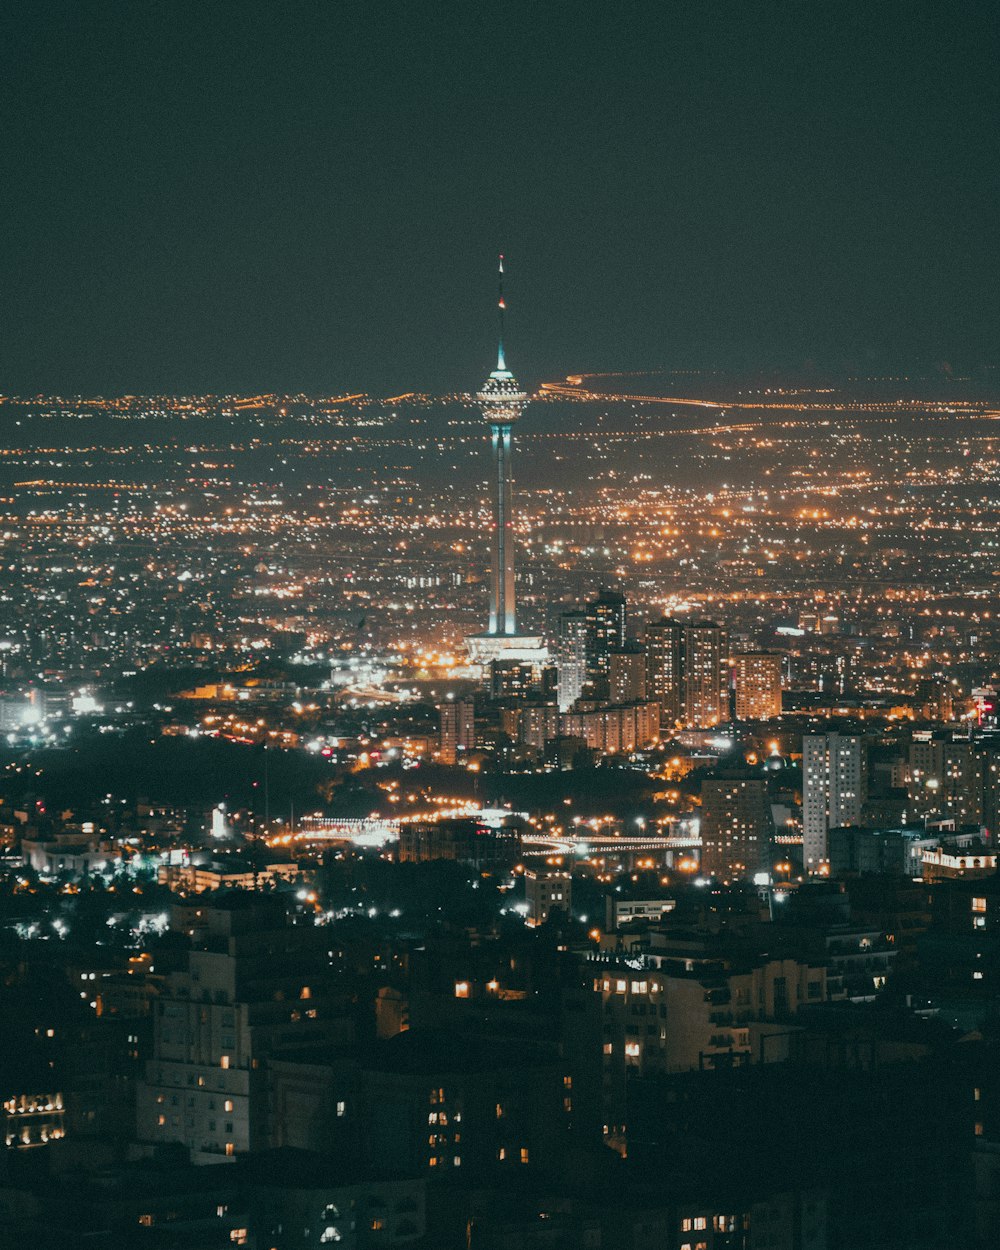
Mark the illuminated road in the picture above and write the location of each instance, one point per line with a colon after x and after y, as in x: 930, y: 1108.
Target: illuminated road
x: 602, y: 844
x: 573, y: 388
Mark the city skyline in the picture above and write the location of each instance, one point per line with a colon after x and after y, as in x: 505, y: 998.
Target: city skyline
x: 553, y: 811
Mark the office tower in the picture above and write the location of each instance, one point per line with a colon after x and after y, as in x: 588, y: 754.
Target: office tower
x: 833, y: 791
x: 571, y: 648
x: 458, y: 729
x: 757, y: 676
x: 735, y: 825
x: 502, y: 401
x: 627, y: 674
x: 606, y: 619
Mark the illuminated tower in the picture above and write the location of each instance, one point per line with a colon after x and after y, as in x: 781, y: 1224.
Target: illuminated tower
x: 502, y: 401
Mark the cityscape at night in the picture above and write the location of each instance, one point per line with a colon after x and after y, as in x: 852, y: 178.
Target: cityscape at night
x: 500, y: 646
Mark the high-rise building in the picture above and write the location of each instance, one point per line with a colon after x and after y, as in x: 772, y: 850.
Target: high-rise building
x: 664, y: 649
x: 606, y: 621
x: 757, y: 677
x: 833, y: 791
x: 706, y: 673
x: 502, y: 401
x: 571, y: 646
x: 948, y: 778
x: 735, y: 825
x: 458, y: 729
x: 627, y: 674
x: 687, y: 671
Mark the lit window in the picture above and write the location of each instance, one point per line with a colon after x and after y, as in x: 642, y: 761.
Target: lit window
x: 341, y: 1108
x: 686, y: 1225
x: 499, y: 1110
x: 228, y: 1104
x: 230, y: 1148
x: 700, y: 1223
x: 524, y: 1154
x: 224, y: 1061
x: 461, y: 989
x: 238, y: 1236
x: 979, y: 904
x: 980, y: 1128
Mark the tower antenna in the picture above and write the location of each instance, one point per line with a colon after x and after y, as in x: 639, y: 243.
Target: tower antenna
x: 501, y: 306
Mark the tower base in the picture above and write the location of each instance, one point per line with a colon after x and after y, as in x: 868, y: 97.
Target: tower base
x: 525, y: 648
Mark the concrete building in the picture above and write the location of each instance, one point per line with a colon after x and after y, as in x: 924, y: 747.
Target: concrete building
x: 253, y: 983
x: 464, y: 840
x: 614, y: 730
x: 606, y: 623
x: 706, y: 686
x: 757, y: 678
x: 833, y: 792
x: 458, y: 729
x: 571, y: 652
x: 948, y: 778
x: 683, y: 1015
x: 687, y: 671
x: 547, y: 890
x: 735, y: 825
x: 627, y: 674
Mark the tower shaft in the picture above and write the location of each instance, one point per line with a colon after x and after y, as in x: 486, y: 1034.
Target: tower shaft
x: 503, y: 612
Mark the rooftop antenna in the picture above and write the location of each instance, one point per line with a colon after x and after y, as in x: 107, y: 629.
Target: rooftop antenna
x: 501, y: 363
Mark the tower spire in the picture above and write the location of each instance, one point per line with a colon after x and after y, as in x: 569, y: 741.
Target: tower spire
x: 501, y: 363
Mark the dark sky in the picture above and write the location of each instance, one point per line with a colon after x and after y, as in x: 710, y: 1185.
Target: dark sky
x: 281, y: 195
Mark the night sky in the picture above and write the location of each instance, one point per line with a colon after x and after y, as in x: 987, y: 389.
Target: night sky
x: 284, y: 196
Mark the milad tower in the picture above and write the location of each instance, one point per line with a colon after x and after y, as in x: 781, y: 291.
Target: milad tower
x: 502, y: 401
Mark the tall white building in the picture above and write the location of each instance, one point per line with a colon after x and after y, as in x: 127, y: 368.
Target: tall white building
x: 833, y: 786
x: 571, y: 658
